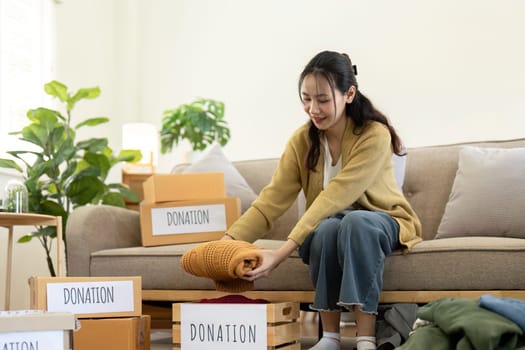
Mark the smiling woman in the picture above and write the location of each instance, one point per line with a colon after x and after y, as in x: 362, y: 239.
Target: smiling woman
x: 26, y: 61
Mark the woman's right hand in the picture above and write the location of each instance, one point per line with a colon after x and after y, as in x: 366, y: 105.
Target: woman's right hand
x: 271, y: 259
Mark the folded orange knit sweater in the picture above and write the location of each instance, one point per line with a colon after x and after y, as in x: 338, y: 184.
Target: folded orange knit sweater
x: 224, y: 261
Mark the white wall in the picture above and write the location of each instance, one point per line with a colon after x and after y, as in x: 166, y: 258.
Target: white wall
x: 443, y: 71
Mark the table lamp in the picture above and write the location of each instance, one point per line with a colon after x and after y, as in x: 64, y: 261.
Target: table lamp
x: 145, y: 138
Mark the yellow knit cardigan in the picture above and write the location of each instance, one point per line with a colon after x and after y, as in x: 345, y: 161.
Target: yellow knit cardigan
x: 366, y: 181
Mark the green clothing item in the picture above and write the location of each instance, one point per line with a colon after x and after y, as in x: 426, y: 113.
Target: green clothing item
x: 462, y: 324
x: 366, y: 181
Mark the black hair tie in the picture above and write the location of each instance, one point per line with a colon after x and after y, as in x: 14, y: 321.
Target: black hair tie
x: 355, y: 69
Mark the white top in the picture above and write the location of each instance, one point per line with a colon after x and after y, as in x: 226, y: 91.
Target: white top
x: 329, y: 170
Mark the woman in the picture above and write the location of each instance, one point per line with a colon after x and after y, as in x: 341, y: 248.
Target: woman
x: 355, y: 215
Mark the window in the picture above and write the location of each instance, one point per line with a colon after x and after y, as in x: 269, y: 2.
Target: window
x: 26, y: 63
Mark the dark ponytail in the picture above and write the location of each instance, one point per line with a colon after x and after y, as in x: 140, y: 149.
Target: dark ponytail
x: 338, y: 70
x: 362, y: 111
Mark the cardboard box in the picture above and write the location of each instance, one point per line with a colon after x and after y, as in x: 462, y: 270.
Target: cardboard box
x: 88, y: 297
x: 187, y: 221
x: 236, y: 326
x: 160, y: 188
x: 128, y: 333
x: 32, y: 329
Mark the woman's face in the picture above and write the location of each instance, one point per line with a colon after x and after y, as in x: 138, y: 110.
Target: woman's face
x: 319, y: 104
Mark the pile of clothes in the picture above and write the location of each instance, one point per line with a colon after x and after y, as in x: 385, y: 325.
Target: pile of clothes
x: 465, y: 324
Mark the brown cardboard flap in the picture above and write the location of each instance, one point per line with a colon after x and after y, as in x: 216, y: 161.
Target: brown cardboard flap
x: 181, y: 187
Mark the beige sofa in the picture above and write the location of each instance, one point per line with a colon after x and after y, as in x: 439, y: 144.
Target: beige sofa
x: 106, y: 241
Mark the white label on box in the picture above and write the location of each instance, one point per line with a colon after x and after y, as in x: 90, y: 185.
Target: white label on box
x: 223, y: 326
x: 41, y: 340
x: 90, y: 297
x: 188, y: 219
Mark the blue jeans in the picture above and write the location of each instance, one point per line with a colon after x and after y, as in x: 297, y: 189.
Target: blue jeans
x: 346, y: 255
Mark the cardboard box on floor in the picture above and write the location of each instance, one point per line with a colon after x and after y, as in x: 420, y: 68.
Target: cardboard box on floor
x: 88, y: 297
x: 32, y: 329
x: 160, y: 188
x: 236, y: 326
x: 127, y: 333
x: 187, y: 221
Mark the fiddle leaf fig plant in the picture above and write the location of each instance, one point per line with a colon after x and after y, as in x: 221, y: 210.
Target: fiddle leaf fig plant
x: 200, y: 122
x: 61, y: 172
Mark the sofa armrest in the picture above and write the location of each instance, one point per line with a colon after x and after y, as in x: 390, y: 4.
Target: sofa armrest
x: 97, y: 227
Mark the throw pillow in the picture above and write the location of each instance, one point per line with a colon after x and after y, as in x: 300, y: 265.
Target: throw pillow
x: 214, y: 160
x: 488, y: 194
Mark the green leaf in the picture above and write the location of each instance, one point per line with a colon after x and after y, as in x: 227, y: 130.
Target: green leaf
x: 129, y: 155
x: 93, y: 145
x: 11, y: 164
x: 44, y: 116
x: 52, y: 208
x: 48, y: 231
x: 56, y: 89
x: 25, y: 239
x: 69, y: 171
x: 52, y: 189
x: 85, y: 169
x: 113, y: 198
x: 83, y: 166
x: 36, y: 134
x: 84, y: 93
x: 19, y: 154
x: 98, y: 161
x: 40, y: 168
x: 126, y: 192
x: 64, y: 148
x: 92, y: 122
x: 83, y: 190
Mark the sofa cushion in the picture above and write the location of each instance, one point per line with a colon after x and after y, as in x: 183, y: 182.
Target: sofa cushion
x: 464, y: 263
x: 488, y: 194
x: 214, y: 160
x: 461, y: 263
x: 160, y: 268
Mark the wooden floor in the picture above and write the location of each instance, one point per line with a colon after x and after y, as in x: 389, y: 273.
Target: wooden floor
x: 310, y: 330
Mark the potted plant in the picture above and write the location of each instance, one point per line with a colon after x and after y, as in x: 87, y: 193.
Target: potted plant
x: 61, y: 173
x: 200, y: 122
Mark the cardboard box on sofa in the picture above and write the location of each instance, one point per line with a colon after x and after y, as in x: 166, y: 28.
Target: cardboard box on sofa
x: 36, y: 329
x: 160, y: 188
x: 88, y: 297
x: 127, y: 333
x: 187, y: 221
x: 236, y: 326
